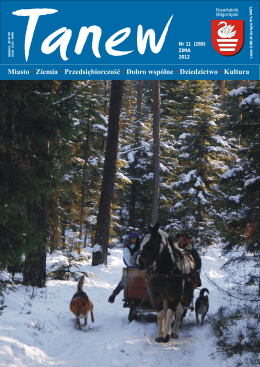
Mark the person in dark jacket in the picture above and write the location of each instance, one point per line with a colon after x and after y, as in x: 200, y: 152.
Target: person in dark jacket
x: 130, y: 252
x: 185, y: 242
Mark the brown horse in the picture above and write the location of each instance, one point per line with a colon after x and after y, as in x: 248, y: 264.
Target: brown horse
x: 167, y: 270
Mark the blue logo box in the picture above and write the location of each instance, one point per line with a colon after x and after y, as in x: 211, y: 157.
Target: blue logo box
x: 126, y: 40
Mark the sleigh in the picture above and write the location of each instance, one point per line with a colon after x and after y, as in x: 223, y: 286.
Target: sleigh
x: 136, y: 296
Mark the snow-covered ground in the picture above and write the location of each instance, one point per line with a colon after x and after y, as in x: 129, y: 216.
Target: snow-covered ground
x: 40, y: 330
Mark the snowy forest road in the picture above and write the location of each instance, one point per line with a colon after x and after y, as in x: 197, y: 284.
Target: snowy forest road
x: 40, y: 330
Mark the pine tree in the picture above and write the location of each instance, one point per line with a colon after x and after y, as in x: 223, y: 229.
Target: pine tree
x: 81, y: 170
x: 69, y: 266
x: 201, y: 155
x: 32, y: 113
x: 156, y: 151
x: 135, y: 152
x: 103, y: 220
x: 242, y: 181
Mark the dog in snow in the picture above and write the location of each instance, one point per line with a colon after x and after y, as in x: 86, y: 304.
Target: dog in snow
x: 80, y: 304
x: 202, y: 306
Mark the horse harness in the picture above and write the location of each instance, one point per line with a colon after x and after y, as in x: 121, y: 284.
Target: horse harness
x: 172, y: 274
x: 193, y: 273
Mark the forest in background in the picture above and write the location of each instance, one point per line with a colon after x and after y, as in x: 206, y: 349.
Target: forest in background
x: 54, y: 137
x: 52, y: 152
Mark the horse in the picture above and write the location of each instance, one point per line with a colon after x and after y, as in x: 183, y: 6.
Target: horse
x: 168, y: 270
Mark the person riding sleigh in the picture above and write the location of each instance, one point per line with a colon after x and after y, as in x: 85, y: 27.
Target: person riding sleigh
x: 186, y: 242
x: 130, y: 252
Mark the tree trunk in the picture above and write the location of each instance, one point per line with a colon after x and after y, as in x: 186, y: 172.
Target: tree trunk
x: 63, y: 230
x: 55, y: 235
x: 82, y: 208
x: 83, y: 188
x: 132, y: 204
x: 35, y: 263
x: 105, y: 112
x: 55, y: 230
x: 139, y: 102
x: 92, y: 235
x: 107, y: 190
x: 222, y: 92
x: 242, y: 83
x: 156, y: 150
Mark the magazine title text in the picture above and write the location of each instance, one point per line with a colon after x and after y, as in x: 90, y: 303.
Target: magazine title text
x: 48, y: 46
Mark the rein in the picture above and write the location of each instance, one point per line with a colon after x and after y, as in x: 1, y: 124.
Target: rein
x: 138, y: 309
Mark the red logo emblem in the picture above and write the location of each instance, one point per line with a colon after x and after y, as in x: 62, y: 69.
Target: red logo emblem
x: 227, y: 36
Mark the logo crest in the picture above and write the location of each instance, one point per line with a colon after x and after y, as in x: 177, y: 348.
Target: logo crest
x: 227, y: 36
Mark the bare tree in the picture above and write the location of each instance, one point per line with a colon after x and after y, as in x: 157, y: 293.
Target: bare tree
x: 107, y: 190
x: 156, y: 150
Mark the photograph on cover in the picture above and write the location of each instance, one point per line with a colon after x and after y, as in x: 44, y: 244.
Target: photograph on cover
x: 129, y: 184
x: 85, y: 166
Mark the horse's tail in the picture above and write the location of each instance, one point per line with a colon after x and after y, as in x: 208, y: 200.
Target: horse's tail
x: 202, y: 291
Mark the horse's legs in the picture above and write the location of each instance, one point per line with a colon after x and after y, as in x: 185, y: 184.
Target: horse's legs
x: 167, y: 329
x: 161, y: 321
x: 175, y: 331
x: 151, y: 293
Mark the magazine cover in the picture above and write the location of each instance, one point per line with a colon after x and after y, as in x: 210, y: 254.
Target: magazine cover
x: 130, y: 180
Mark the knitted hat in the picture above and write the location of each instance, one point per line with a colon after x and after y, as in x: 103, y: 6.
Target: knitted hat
x: 133, y: 235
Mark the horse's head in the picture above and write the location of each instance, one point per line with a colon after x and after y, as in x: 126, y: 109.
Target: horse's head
x: 157, y: 249
x: 150, y: 245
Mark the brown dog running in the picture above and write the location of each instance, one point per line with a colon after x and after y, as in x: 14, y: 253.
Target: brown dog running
x: 80, y: 304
